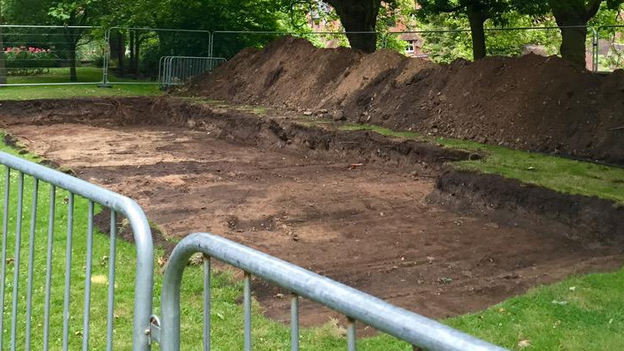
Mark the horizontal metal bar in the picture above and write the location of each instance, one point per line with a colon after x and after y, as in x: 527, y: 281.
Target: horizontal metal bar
x: 46, y: 84
x: 445, y: 30
x: 162, y: 29
x: 400, y: 323
x: 294, y: 33
x: 42, y: 26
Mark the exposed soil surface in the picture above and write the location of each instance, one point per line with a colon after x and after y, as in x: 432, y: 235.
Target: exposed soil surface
x: 352, y: 206
x: 531, y: 103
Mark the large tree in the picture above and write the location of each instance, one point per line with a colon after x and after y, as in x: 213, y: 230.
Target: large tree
x: 572, y: 16
x: 73, y: 14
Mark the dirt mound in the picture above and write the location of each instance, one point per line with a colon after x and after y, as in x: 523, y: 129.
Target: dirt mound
x: 531, y: 103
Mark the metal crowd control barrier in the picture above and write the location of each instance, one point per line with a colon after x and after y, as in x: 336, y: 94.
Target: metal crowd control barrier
x: 179, y: 70
x: 356, y: 305
x: 147, y: 328
x: 95, y: 195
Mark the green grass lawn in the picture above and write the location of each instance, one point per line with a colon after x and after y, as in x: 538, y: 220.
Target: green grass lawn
x: 61, y: 75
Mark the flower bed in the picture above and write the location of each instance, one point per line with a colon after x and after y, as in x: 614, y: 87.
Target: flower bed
x: 24, y: 61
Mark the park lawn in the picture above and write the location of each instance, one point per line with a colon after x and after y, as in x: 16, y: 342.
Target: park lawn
x: 60, y: 75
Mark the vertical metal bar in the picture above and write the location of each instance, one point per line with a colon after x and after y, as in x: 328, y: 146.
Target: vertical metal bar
x: 160, y: 71
x: 111, y: 281
x: 46, y: 313
x: 16, y: 267
x: 351, y: 340
x: 31, y: 261
x: 169, y: 73
x: 294, y: 323
x: 595, y: 49
x: 5, y: 233
x: 87, y: 292
x: 207, y: 302
x: 247, y: 307
x: 68, y: 263
x: 106, y: 57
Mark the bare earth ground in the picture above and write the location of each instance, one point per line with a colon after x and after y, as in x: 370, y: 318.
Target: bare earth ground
x: 370, y: 227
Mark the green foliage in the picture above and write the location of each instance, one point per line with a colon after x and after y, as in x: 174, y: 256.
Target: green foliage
x: 447, y: 47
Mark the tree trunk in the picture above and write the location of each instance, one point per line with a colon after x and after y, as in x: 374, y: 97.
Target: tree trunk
x: 72, y: 35
x: 118, y: 49
x: 73, y: 74
x: 3, y: 71
x: 359, y: 16
x: 573, y: 44
x: 574, y: 13
x: 477, y: 19
x: 132, y: 52
x: 137, y: 53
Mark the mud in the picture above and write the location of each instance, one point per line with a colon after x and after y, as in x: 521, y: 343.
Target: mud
x: 354, y: 206
x: 589, y: 218
x: 532, y: 103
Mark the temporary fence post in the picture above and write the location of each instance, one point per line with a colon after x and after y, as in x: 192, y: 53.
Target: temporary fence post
x: 107, y: 46
x: 595, y: 43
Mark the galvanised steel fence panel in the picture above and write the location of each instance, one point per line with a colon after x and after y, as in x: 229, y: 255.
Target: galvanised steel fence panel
x: 51, y: 55
x: 355, y: 305
x: 442, y: 45
x: 58, y: 316
x: 64, y: 55
x: 134, y: 54
x: 609, y: 48
x: 179, y: 70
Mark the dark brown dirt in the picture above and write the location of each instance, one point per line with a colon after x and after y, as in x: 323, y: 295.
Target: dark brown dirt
x: 591, y: 217
x: 531, y: 103
x: 353, y: 206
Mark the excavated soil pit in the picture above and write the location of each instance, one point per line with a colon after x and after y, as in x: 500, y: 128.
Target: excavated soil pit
x: 349, y: 205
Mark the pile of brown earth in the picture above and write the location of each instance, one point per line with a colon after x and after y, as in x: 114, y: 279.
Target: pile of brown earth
x: 531, y: 103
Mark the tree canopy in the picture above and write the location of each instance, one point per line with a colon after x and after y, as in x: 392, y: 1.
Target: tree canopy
x: 361, y: 19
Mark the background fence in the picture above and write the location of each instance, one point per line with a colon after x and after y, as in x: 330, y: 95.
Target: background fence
x: 134, y: 54
x: 609, y: 53
x: 51, y: 54
x: 55, y: 55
